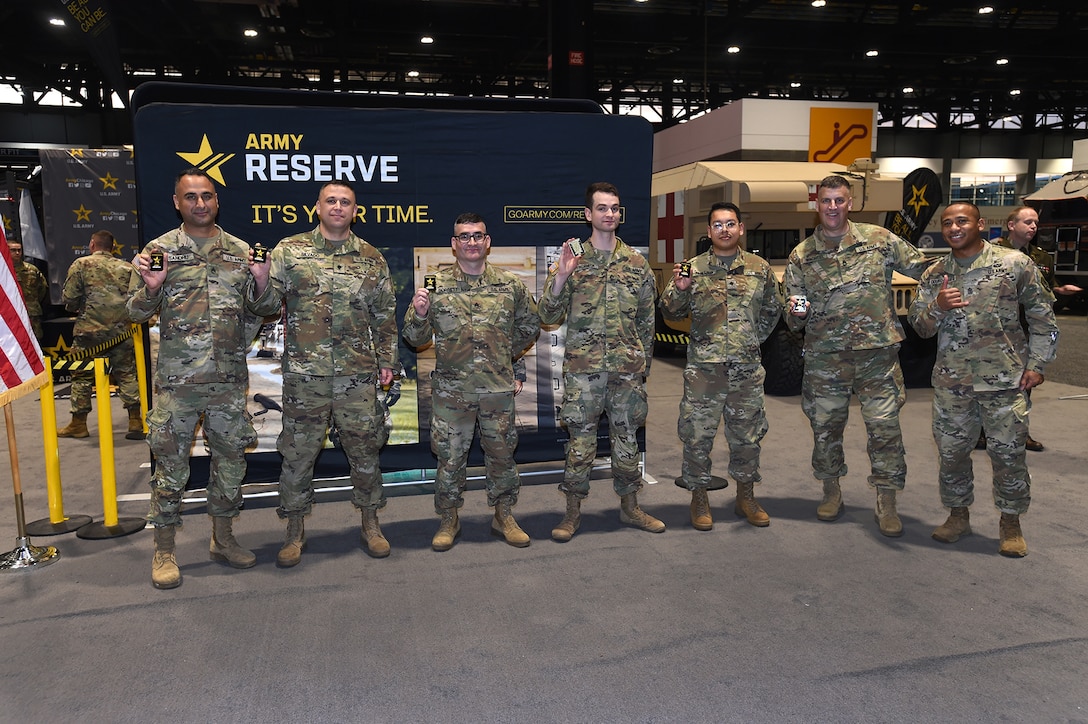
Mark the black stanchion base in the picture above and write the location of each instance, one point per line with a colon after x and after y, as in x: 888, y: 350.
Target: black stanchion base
x: 45, y: 527
x: 27, y: 556
x: 716, y: 483
x: 100, y: 531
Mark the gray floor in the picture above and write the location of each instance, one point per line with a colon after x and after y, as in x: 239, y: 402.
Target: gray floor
x: 802, y: 621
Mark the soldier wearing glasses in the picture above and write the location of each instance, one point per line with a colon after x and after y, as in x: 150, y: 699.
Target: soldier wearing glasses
x: 481, y: 318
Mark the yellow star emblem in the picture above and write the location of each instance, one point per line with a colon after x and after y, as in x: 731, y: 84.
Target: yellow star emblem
x: 118, y: 248
x: 918, y: 198
x: 75, y: 152
x: 59, y: 350
x: 109, y: 181
x: 82, y: 213
x: 207, y: 159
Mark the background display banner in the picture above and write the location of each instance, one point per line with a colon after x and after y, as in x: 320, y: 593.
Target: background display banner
x: 85, y: 190
x: 414, y: 170
x: 921, y: 197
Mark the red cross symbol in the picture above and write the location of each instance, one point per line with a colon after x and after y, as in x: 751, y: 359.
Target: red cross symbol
x: 670, y: 228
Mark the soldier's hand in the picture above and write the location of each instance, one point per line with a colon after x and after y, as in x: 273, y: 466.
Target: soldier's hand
x: 152, y: 279
x: 792, y: 303
x: 385, y: 376
x: 421, y: 302
x: 1030, y: 379
x: 949, y: 298
x: 681, y: 283
x: 518, y: 385
x: 260, y: 271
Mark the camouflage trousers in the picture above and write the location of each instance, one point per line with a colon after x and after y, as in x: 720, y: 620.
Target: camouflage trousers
x: 585, y: 398
x: 454, y: 418
x: 714, y: 392
x: 958, y: 416
x: 349, y: 403
x: 122, y: 371
x: 875, y: 377
x: 221, y: 409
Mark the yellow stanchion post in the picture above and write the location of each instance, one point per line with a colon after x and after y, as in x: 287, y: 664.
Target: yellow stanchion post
x: 141, y: 370
x: 112, y: 526
x: 57, y: 522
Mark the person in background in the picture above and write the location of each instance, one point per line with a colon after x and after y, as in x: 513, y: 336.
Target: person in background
x: 481, y: 318
x: 972, y: 302
x: 734, y: 302
x: 96, y: 290
x: 606, y: 292
x: 33, y: 285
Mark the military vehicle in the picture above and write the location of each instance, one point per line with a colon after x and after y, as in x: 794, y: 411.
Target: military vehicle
x: 1063, y: 228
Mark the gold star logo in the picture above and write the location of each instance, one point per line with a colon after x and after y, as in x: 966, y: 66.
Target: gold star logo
x: 118, y: 248
x: 208, y: 160
x: 917, y: 198
x: 75, y: 152
x: 109, y: 181
x: 82, y: 213
x: 59, y: 350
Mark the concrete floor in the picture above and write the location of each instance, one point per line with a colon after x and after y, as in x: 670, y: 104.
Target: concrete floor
x: 803, y: 621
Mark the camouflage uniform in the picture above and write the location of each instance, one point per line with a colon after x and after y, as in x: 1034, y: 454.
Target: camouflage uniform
x: 733, y: 310
x: 341, y: 330
x: 96, y: 289
x: 608, y: 303
x: 851, y: 344
x: 479, y: 325
x: 201, y: 374
x: 1044, y: 260
x: 35, y: 288
x: 982, y: 352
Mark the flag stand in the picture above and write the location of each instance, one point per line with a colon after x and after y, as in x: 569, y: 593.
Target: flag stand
x: 25, y: 555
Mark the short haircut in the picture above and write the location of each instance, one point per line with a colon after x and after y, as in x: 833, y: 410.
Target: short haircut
x: 102, y: 240
x: 337, y: 182
x: 1014, y: 215
x: 15, y: 242
x: 978, y: 213
x: 600, y: 187
x: 835, y: 181
x: 194, y: 171
x: 722, y: 206
x: 469, y: 218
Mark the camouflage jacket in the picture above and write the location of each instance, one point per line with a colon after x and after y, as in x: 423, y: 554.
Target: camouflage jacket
x: 341, y: 308
x: 479, y: 327
x: 34, y: 287
x: 204, y: 327
x: 1043, y: 259
x: 849, y: 288
x: 608, y: 303
x: 982, y: 346
x: 96, y: 290
x: 733, y: 309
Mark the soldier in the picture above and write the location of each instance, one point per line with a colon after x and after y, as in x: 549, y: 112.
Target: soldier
x: 985, y: 363
x: 734, y: 302
x: 607, y: 296
x: 33, y: 285
x: 481, y: 317
x: 201, y: 374
x: 96, y: 290
x: 340, y: 345
x: 851, y: 345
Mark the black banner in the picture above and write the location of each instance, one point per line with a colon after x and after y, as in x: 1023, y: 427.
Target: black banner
x: 921, y: 197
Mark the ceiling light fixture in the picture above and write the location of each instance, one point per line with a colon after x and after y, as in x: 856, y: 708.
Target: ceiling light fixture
x: 908, y: 89
x: 249, y: 33
x: 426, y: 40
x: 1014, y: 92
x: 795, y: 84
x: 733, y: 49
x: 678, y: 81
x: 56, y: 21
x: 1002, y: 61
x: 872, y: 53
x: 985, y: 9
x: 819, y: 3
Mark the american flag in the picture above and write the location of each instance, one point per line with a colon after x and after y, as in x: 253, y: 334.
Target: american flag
x: 22, y: 369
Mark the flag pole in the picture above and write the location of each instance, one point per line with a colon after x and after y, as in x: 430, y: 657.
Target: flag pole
x: 25, y: 555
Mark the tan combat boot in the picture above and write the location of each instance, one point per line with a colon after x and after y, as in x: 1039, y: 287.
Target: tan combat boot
x: 164, y: 566
x: 700, y: 510
x: 1012, y: 539
x: 76, y: 428
x: 448, y: 530
x: 224, y: 547
x: 573, y: 518
x: 886, y: 515
x: 957, y: 526
x: 135, y: 424
x: 504, y: 525
x: 831, y: 507
x: 376, y: 544
x: 291, y: 552
x: 631, y: 514
x: 748, y: 507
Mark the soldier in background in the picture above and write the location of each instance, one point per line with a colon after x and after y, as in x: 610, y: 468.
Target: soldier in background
x: 852, y: 337
x: 971, y: 301
x: 606, y: 292
x: 33, y: 285
x: 734, y: 302
x: 480, y: 317
x: 340, y: 345
x: 96, y: 290
x: 201, y: 375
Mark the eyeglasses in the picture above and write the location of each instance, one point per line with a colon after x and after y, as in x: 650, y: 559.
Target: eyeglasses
x: 719, y: 225
x: 474, y: 236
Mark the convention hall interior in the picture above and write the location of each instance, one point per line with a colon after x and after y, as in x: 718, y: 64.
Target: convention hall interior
x: 803, y: 620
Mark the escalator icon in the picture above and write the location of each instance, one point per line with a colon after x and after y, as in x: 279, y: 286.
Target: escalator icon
x: 841, y: 140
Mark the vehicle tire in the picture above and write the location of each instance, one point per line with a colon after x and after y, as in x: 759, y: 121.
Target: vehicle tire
x: 783, y: 361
